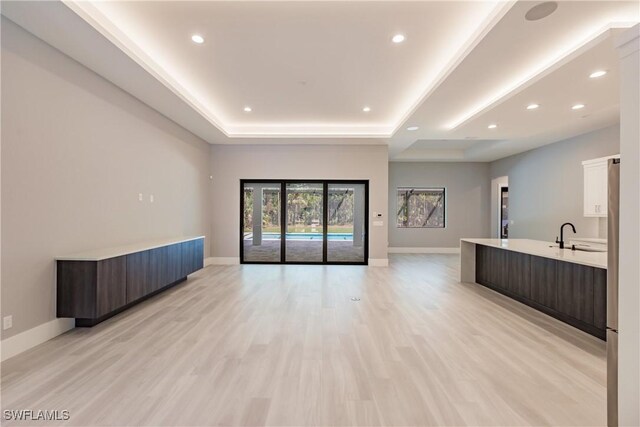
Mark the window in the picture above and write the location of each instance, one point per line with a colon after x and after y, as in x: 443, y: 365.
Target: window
x: 421, y: 208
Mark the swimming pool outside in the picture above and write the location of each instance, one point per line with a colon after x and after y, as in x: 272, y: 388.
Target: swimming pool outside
x: 304, y: 236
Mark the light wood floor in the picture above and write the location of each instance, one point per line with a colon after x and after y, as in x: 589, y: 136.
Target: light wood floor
x: 285, y: 345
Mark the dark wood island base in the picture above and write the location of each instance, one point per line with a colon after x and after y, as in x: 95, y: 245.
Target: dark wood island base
x: 93, y: 287
x: 569, y: 285
x: 573, y: 293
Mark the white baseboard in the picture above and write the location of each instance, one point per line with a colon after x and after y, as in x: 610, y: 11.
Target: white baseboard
x: 28, y: 339
x: 378, y: 262
x: 398, y: 250
x: 221, y: 261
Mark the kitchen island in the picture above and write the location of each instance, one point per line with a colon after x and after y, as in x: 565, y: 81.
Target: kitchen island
x: 568, y: 285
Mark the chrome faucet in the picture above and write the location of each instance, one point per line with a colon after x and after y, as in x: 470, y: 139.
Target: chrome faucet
x: 561, y: 241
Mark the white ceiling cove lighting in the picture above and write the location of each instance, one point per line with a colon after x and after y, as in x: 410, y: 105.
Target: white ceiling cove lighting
x: 398, y: 38
x: 532, y: 106
x: 492, y: 126
x: 412, y: 128
x: 366, y: 109
x: 597, y: 74
x: 578, y: 107
x: 247, y: 109
x: 197, y: 38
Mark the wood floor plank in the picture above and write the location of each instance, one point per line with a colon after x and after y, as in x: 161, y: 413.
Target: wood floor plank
x: 286, y: 345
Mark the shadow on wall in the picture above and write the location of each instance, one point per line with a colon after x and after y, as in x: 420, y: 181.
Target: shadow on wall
x: 31, y: 49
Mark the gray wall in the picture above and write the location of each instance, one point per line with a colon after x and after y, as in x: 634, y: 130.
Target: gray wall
x: 76, y: 151
x: 231, y: 163
x: 546, y: 185
x: 467, y: 202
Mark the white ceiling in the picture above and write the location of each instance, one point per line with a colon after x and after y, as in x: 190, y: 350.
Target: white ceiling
x: 307, y: 68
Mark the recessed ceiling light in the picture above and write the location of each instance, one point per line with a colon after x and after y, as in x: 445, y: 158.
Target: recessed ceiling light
x: 578, y: 107
x: 492, y: 126
x: 541, y: 11
x: 412, y: 128
x: 532, y: 106
x: 247, y: 109
x: 597, y: 74
x: 197, y: 38
x: 398, y: 38
x: 366, y: 109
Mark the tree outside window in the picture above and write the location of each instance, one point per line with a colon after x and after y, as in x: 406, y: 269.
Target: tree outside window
x: 421, y: 208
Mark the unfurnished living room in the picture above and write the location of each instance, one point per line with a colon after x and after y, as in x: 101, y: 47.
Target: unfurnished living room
x: 320, y: 213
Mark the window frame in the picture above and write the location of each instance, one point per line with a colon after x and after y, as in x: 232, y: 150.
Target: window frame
x: 423, y: 188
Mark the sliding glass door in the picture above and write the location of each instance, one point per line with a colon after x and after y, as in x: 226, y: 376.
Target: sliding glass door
x: 305, y: 219
x: 346, y: 222
x: 261, y: 222
x: 304, y: 222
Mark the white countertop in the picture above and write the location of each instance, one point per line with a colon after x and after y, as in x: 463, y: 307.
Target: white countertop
x: 106, y: 253
x: 543, y: 249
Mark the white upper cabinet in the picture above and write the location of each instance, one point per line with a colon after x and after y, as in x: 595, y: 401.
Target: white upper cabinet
x: 596, y: 187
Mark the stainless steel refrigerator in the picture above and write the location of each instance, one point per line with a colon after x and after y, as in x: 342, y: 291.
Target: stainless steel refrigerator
x: 613, y: 236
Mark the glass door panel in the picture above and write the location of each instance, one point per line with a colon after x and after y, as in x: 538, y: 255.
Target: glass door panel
x: 305, y: 226
x: 346, y: 228
x: 261, y: 222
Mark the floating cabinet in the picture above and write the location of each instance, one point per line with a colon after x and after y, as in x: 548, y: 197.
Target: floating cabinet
x: 596, y: 187
x: 189, y: 260
x: 138, y: 275
x: 91, y: 290
x: 111, y: 283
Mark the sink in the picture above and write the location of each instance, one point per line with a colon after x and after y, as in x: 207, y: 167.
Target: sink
x: 581, y: 248
x: 589, y: 249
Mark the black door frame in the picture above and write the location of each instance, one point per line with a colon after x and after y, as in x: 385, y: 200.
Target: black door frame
x: 503, y: 189
x: 325, y: 215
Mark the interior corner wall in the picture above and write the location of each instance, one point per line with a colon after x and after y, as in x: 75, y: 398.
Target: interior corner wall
x: 546, y: 185
x: 76, y: 151
x: 231, y: 163
x: 466, y: 205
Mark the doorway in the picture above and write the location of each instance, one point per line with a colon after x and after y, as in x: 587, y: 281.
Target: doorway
x: 504, y: 212
x: 304, y: 222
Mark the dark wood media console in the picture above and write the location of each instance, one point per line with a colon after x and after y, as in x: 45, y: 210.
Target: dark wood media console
x: 573, y: 293
x: 94, y: 286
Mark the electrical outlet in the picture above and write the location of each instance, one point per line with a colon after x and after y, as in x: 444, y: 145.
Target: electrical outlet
x: 7, y: 322
x: 139, y: 197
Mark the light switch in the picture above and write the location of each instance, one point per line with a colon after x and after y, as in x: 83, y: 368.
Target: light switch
x: 139, y: 197
x: 151, y: 198
x: 7, y: 322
